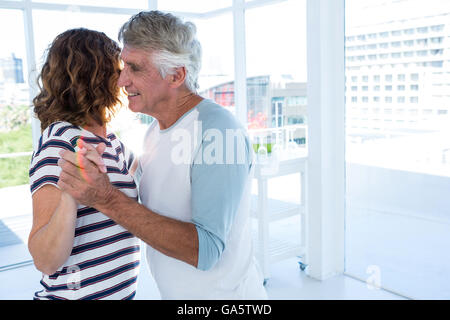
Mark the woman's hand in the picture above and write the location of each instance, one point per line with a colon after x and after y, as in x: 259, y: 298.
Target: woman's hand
x: 83, y: 175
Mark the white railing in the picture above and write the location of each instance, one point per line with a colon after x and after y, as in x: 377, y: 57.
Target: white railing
x: 282, y: 137
x: 15, y: 154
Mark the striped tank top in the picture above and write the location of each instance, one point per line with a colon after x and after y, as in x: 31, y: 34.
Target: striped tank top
x: 105, y: 258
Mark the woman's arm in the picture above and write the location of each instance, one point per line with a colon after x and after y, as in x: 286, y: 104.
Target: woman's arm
x: 52, y: 234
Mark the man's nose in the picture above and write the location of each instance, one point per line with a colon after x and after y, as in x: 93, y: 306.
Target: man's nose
x: 124, y: 80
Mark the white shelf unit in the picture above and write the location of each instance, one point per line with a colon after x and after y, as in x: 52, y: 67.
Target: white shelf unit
x: 271, y: 248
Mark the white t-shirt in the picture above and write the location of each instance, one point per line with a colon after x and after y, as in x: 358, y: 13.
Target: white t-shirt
x: 104, y: 261
x: 192, y: 172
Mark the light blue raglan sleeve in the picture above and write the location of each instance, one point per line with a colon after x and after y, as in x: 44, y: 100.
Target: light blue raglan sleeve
x: 217, y: 187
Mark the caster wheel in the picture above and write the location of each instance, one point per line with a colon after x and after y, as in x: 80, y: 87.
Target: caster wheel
x: 302, y: 266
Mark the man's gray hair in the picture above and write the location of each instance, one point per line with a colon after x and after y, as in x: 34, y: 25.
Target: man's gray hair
x: 172, y: 41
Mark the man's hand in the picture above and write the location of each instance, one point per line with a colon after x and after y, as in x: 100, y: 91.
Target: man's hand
x: 83, y: 175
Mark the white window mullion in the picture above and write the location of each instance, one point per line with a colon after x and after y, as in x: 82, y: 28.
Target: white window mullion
x: 31, y: 66
x: 240, y: 73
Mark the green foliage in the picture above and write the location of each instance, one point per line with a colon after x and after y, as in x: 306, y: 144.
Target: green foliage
x: 18, y: 140
x: 14, y: 117
x: 14, y: 171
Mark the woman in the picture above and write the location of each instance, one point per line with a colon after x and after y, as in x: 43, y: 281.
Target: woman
x: 82, y: 253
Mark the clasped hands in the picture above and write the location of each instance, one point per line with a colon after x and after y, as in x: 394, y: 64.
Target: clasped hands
x: 83, y: 174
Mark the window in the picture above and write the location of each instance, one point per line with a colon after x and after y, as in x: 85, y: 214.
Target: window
x: 267, y: 68
x: 414, y: 99
x: 435, y: 52
x: 414, y: 87
x: 388, y: 88
x: 422, y: 29
x: 401, y: 99
x: 414, y: 76
x: 422, y: 53
x: 283, y: 71
x: 408, y: 43
x: 15, y: 137
x: 436, y: 40
x: 422, y: 42
x: 437, y: 28
x: 388, y: 77
x: 401, y: 77
x: 408, y: 54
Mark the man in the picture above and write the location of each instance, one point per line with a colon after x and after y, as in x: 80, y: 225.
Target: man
x: 194, y: 178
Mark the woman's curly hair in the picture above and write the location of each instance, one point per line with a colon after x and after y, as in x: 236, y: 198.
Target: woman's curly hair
x: 79, y: 79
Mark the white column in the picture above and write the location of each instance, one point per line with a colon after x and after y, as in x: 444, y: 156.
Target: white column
x: 240, y: 73
x: 326, y: 174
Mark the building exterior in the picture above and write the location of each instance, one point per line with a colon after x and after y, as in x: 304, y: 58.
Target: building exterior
x: 11, y: 69
x: 398, y: 76
x: 13, y: 89
x: 272, y: 102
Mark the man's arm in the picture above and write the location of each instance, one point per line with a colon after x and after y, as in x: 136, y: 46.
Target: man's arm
x: 171, y: 237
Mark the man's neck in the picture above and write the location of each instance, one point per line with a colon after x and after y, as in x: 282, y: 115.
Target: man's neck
x: 180, y: 105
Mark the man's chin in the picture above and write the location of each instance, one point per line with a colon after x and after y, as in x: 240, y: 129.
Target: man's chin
x: 133, y: 107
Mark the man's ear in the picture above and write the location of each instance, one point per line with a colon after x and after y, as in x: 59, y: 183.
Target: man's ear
x: 177, y: 79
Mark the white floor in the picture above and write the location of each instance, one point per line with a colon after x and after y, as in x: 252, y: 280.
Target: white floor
x: 286, y: 280
x: 287, y: 283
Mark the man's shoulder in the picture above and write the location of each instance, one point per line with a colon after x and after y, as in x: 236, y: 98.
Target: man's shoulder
x: 213, y: 115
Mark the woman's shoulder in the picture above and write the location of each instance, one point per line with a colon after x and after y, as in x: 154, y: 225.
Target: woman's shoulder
x: 61, y: 130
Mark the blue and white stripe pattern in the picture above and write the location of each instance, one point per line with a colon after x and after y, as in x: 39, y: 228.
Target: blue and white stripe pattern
x: 104, y: 262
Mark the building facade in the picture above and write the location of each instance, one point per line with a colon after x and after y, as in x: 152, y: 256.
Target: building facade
x: 398, y: 76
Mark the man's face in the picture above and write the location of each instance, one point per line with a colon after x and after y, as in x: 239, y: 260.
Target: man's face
x: 142, y: 81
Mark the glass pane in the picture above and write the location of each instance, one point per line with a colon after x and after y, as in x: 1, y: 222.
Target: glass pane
x: 276, y: 120
x: 198, y: 6
x: 276, y: 70
x: 139, y: 4
x: 15, y: 140
x: 15, y: 125
x: 216, y: 78
x: 397, y: 147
